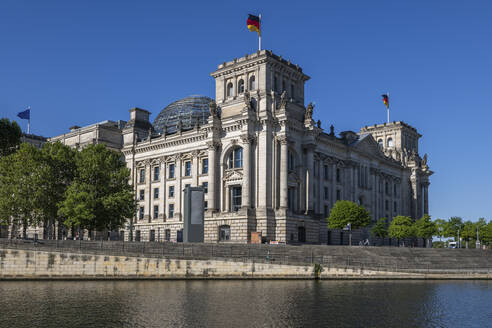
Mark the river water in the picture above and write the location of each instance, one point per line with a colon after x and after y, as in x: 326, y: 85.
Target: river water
x: 260, y: 303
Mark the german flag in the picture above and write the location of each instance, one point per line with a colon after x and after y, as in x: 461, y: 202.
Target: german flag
x: 253, y: 23
x: 386, y: 100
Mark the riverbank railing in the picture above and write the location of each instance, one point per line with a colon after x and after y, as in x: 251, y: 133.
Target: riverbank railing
x: 390, y: 259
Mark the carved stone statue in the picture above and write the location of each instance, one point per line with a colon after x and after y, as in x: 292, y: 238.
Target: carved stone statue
x: 424, y: 160
x: 149, y: 136
x: 332, y: 130
x: 247, y: 100
x: 179, y: 126
x: 283, y: 100
x: 309, y: 111
x: 212, y: 107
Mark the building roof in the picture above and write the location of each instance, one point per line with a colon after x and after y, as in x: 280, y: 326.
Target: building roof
x: 189, y: 111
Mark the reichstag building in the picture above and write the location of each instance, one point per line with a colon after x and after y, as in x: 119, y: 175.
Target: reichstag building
x: 268, y: 169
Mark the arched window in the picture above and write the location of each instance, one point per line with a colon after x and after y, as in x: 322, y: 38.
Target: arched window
x: 292, y: 89
x: 235, y: 158
x: 240, y: 86
x: 283, y: 86
x: 229, y: 89
x: 275, y: 83
x: 390, y: 142
x: 380, y: 143
x: 252, y: 83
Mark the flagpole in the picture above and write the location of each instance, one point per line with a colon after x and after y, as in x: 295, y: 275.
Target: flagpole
x: 29, y: 121
x: 259, y: 35
x: 388, y: 108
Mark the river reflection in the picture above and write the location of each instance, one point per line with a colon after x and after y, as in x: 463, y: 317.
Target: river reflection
x: 246, y: 304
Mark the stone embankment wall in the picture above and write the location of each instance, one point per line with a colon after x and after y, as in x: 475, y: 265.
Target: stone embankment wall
x: 34, y: 264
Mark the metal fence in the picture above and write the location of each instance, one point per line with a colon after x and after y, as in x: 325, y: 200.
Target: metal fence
x: 389, y: 259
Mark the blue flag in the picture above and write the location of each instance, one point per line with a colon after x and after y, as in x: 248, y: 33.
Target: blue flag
x: 25, y: 115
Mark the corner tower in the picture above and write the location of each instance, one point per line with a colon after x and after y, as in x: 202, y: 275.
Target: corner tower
x: 263, y: 74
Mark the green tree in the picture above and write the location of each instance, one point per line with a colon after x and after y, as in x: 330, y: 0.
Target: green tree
x: 425, y: 228
x: 10, y: 136
x: 57, y: 173
x: 401, y: 227
x: 345, y: 212
x: 99, y: 196
x: 469, y: 232
x: 481, y: 225
x: 20, y: 173
x: 453, y: 226
x: 486, y: 234
x: 441, y: 227
x: 380, y: 229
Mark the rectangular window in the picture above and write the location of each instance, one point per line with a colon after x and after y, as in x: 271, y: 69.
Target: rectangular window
x: 156, y: 173
x: 141, y: 213
x: 142, y: 195
x: 187, y: 185
x: 395, y: 190
x: 167, y: 234
x: 205, y: 205
x: 326, y: 193
x: 205, y: 187
x: 187, y: 168
x: 316, y: 168
x: 394, y: 207
x: 326, y: 211
x: 137, y: 235
x: 339, y: 195
x: 156, y: 211
x: 171, y: 191
x: 205, y: 166
x: 142, y: 176
x: 291, y: 198
x: 171, y: 171
x: 171, y: 211
x: 386, y: 205
x: 152, y: 235
x: 325, y: 172
x: 338, y: 175
x: 235, y: 198
x: 156, y: 193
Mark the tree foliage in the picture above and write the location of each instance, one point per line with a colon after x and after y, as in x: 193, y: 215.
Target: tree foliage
x: 10, y: 136
x: 452, y: 227
x: 100, y: 196
x: 401, y: 227
x: 425, y: 228
x: 380, y: 229
x: 345, y: 212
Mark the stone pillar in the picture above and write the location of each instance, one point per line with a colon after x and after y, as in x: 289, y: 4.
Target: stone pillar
x: 246, y: 190
x: 284, y: 153
x: 163, y: 191
x: 148, y: 191
x: 309, y: 179
x: 212, y: 168
x: 177, y: 189
x: 333, y: 184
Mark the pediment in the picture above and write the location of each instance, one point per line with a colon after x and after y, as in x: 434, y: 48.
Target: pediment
x: 368, y: 145
x: 233, y: 175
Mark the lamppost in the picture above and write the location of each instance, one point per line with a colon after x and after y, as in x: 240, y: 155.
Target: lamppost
x: 477, y: 244
x: 349, y: 228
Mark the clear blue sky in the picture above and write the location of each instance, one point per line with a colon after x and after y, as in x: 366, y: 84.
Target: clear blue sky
x: 80, y: 62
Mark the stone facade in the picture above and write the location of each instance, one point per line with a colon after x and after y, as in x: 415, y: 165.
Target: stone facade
x: 270, y: 167
x: 267, y: 166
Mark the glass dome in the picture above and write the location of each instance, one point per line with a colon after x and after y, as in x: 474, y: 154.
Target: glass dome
x: 188, y: 111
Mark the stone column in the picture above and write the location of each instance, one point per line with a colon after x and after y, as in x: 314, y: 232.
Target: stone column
x: 163, y: 191
x: 246, y: 190
x: 309, y: 179
x: 212, y: 167
x: 333, y: 184
x: 284, y: 153
x: 426, y: 198
x: 177, y: 189
x: 194, y: 169
x: 148, y: 190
